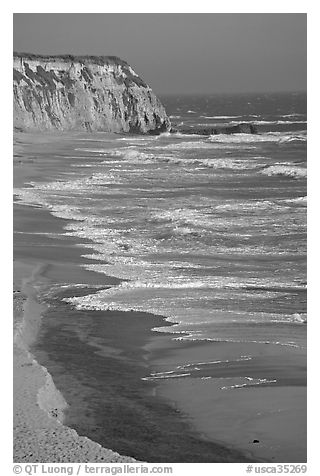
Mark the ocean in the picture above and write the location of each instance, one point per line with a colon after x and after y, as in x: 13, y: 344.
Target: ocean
x: 207, y: 232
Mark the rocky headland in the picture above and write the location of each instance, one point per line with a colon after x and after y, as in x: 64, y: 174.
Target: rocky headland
x: 83, y: 93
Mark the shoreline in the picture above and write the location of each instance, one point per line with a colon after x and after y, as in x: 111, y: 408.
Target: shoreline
x: 39, y: 432
x: 41, y: 428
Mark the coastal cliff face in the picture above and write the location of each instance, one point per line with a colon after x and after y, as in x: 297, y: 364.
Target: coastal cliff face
x: 83, y: 93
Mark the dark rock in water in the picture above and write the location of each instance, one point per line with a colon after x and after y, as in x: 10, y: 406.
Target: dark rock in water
x: 256, y: 441
x: 243, y: 128
x: 239, y: 129
x: 201, y: 131
x: 160, y: 128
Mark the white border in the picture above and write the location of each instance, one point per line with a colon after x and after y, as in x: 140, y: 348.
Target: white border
x: 163, y: 6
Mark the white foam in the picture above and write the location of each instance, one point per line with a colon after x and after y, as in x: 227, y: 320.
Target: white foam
x: 135, y: 156
x: 299, y: 318
x: 220, y: 117
x: 82, y: 184
x: 137, y: 138
x: 302, y: 201
x: 130, y: 155
x: 292, y: 115
x: 293, y: 138
x: 213, y: 163
x: 193, y: 366
x: 94, y: 151
x: 264, y: 122
x: 245, y: 206
x: 252, y: 138
x: 155, y: 377
x: 185, y: 216
x: 285, y: 170
x: 170, y: 288
x: 250, y: 382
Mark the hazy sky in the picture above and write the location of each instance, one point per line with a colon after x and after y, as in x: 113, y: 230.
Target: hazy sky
x: 181, y: 52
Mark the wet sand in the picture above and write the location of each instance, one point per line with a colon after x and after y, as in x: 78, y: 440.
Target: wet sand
x: 39, y: 434
x: 237, y: 399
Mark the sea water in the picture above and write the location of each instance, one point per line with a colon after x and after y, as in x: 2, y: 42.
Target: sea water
x: 207, y: 231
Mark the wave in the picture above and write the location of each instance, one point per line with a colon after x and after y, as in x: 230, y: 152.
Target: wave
x: 208, y: 144
x: 178, y: 134
x: 250, y: 383
x: 220, y: 117
x: 82, y: 184
x: 301, y: 201
x: 136, y: 138
x: 183, y: 216
x: 181, y: 283
x: 251, y: 138
x: 190, y: 322
x: 28, y: 196
x: 191, y: 338
x: 165, y: 375
x: 259, y: 205
x: 286, y: 171
x: 207, y: 218
x: 265, y: 122
x: 135, y: 156
x: 73, y: 214
x: 213, y: 163
x: 299, y: 318
x: 245, y: 206
x: 76, y: 157
x: 296, y: 114
x: 95, y: 151
x: 257, y: 122
x: 94, y: 139
x: 196, y: 365
x: 92, y: 164
x: 294, y: 138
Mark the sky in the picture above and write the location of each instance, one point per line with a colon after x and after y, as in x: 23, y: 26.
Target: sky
x: 181, y: 52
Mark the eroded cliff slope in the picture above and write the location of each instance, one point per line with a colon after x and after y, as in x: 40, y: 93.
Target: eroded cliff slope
x: 83, y: 93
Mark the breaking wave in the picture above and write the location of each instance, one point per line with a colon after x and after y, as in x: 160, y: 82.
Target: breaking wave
x: 252, y: 138
x: 220, y: 117
x: 285, y: 170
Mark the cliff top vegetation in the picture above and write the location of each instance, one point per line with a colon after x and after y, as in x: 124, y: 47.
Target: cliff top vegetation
x: 100, y: 60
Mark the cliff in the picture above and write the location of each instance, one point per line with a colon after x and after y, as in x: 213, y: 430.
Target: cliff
x: 83, y: 93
